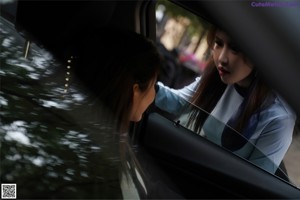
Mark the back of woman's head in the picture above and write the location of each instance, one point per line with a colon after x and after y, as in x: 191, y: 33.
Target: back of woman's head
x: 110, y: 62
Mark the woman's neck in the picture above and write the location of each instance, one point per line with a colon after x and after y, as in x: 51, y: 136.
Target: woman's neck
x: 246, y: 82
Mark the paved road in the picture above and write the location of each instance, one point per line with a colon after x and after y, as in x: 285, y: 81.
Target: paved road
x: 292, y: 160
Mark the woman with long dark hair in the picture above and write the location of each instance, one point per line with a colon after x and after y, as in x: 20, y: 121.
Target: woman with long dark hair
x: 118, y: 70
x: 231, y: 92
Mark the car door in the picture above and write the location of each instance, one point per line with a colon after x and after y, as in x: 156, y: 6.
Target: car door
x: 201, y: 169
x: 198, y: 167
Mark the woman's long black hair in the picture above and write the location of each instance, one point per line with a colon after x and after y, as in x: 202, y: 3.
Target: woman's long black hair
x: 211, y: 89
x: 109, y: 62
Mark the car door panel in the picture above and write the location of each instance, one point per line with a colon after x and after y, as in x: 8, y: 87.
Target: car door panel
x: 203, y: 169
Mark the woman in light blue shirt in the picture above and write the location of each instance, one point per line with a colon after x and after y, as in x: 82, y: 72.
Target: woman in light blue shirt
x: 232, y: 92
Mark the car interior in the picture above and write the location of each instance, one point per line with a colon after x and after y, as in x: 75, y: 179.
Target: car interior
x: 190, y: 165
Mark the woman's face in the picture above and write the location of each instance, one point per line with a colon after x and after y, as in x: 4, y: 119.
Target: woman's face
x: 232, y: 66
x: 141, y: 100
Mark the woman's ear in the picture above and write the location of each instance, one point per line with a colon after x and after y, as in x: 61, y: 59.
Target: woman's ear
x: 136, y: 87
x: 136, y: 98
x: 136, y: 92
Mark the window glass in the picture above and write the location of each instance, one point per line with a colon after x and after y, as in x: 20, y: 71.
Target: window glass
x: 218, y: 133
x: 50, y: 137
x: 181, y: 38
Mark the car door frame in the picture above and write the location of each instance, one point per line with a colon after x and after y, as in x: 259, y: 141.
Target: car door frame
x: 185, y: 152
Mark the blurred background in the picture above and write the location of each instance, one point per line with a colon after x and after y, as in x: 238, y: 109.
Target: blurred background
x: 181, y: 38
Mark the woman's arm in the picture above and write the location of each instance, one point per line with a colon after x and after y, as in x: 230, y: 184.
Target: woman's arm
x: 172, y: 100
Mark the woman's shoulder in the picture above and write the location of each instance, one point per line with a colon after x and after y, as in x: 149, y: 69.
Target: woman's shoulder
x: 277, y: 117
x: 278, y: 107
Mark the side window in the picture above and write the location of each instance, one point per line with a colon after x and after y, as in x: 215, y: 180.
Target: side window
x: 47, y: 128
x: 181, y: 38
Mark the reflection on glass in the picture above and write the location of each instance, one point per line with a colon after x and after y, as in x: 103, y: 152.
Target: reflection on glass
x: 226, y: 137
x: 52, y: 144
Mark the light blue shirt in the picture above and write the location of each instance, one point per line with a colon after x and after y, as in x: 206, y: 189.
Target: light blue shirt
x: 272, y: 136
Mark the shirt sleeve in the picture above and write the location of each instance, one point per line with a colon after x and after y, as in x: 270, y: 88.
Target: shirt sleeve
x: 273, y: 143
x: 173, y: 100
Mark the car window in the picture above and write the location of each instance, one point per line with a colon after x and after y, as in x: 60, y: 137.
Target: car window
x: 50, y: 137
x: 213, y: 130
x: 181, y: 40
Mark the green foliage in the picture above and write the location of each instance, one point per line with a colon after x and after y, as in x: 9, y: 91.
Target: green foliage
x: 197, y: 25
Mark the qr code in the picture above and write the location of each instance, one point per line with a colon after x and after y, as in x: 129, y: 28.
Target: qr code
x: 8, y: 191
